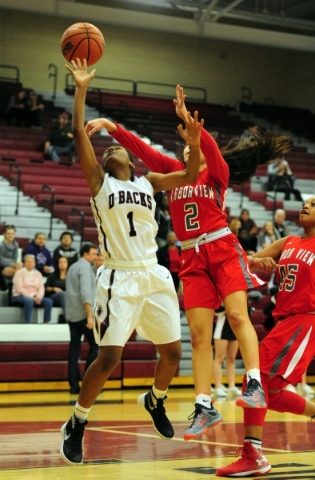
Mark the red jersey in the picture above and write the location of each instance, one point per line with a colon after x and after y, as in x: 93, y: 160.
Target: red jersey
x: 197, y: 208
x: 296, y: 276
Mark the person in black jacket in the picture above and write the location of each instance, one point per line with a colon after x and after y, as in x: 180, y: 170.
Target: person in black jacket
x: 169, y: 257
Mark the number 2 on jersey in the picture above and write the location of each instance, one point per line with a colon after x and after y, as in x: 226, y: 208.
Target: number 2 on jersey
x: 191, y: 221
x: 132, y: 232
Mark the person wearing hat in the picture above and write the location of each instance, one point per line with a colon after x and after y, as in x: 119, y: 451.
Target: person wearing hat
x: 60, y: 141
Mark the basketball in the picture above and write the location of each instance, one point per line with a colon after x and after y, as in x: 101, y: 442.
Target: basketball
x: 83, y: 40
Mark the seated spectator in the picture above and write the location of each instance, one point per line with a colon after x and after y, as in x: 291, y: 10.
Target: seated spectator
x: 55, y: 286
x: 60, y: 141
x: 169, y: 257
x: 9, y: 249
x: 250, y: 226
x: 281, y: 179
x: 281, y: 230
x: 34, y: 109
x: 17, y: 109
x: 28, y: 290
x: 65, y: 249
x: 163, y: 219
x: 43, y: 257
x: 267, y: 236
x: 242, y: 235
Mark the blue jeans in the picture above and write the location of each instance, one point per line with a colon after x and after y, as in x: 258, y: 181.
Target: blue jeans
x: 59, y: 300
x: 28, y: 304
x: 53, y: 152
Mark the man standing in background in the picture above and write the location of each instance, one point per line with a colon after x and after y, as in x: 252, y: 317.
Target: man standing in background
x: 80, y: 295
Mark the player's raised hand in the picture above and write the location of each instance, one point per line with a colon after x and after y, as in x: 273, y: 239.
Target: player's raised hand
x: 191, y: 133
x: 179, y: 102
x: 80, y: 74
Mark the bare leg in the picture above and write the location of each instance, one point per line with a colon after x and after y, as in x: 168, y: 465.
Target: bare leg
x: 170, y: 355
x: 200, y: 321
x: 236, y: 311
x: 97, y: 374
x: 231, y: 352
x: 220, y: 347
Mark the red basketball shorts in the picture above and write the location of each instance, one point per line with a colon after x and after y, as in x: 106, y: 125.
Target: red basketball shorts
x: 217, y: 270
x: 286, y: 352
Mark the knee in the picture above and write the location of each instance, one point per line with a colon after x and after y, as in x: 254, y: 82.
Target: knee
x: 236, y: 319
x: 109, y: 361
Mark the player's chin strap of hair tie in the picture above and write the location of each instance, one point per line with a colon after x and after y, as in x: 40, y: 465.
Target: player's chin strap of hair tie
x: 199, y: 240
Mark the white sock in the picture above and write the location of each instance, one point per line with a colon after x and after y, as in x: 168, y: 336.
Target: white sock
x: 253, y: 373
x: 81, y: 413
x: 159, y: 393
x: 204, y: 399
x: 255, y: 442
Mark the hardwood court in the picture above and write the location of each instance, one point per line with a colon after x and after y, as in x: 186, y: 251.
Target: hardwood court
x: 120, y: 442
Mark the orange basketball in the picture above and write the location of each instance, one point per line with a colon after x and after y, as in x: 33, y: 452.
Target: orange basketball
x: 83, y: 40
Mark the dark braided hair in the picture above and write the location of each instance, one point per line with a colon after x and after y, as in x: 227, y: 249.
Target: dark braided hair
x: 259, y: 148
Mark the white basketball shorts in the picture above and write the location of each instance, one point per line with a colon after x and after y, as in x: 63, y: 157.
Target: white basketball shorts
x: 143, y: 300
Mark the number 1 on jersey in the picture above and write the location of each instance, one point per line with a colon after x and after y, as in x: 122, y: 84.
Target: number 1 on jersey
x: 132, y: 232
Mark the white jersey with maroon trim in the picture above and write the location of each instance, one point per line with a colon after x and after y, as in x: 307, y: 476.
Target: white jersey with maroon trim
x: 124, y: 216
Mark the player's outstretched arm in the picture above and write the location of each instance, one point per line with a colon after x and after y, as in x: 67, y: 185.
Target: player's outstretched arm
x: 91, y: 168
x: 93, y: 126
x: 191, y: 134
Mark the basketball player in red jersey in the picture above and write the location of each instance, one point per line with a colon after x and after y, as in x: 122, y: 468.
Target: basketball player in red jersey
x: 214, y: 266
x: 286, y: 352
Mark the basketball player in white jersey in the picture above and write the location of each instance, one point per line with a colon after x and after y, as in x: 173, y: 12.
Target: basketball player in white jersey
x: 133, y: 291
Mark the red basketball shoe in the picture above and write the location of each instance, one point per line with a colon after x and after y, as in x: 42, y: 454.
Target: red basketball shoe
x: 252, y: 463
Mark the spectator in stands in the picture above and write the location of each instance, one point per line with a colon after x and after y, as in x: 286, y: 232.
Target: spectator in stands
x: 43, y: 257
x: 169, y: 257
x: 28, y: 290
x: 17, y: 109
x: 225, y: 348
x: 9, y: 250
x: 242, y: 235
x: 280, y: 229
x: 60, y: 141
x: 55, y: 285
x: 266, y: 236
x: 163, y: 219
x: 281, y: 179
x: 251, y: 228
x: 34, y: 109
x: 65, y: 249
x: 80, y: 295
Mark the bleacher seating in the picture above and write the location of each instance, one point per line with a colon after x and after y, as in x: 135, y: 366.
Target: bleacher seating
x: 151, y: 117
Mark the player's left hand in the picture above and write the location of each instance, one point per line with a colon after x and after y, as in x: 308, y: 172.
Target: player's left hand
x: 267, y: 264
x: 79, y: 72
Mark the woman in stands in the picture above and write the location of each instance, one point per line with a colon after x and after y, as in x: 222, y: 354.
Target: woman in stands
x: 213, y: 266
x: 133, y: 291
x: 286, y: 352
x: 9, y: 250
x: 55, y: 286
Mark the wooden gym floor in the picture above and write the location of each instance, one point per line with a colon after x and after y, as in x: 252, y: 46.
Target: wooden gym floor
x: 120, y: 442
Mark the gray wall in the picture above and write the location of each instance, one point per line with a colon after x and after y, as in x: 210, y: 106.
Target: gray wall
x: 33, y: 41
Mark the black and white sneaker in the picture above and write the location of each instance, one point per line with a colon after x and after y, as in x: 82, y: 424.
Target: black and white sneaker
x: 155, y: 407
x: 72, y: 435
